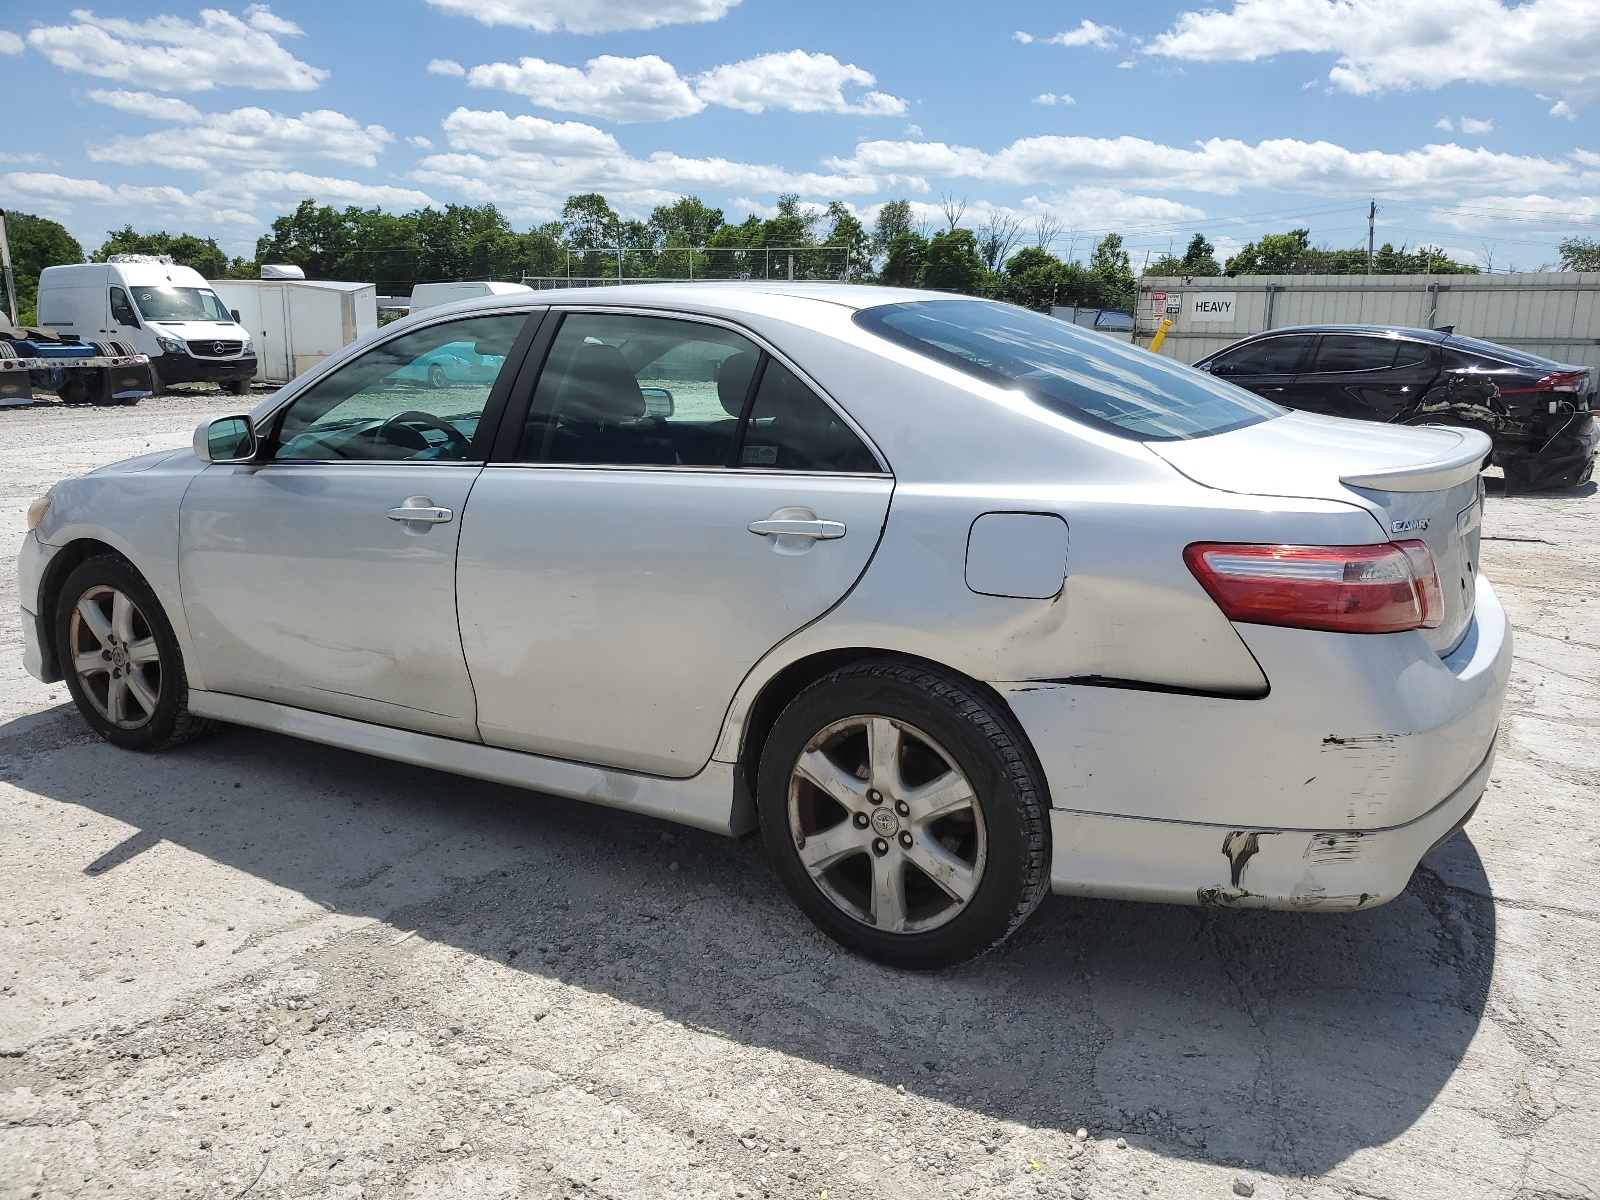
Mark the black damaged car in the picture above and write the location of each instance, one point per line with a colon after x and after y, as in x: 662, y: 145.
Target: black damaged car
x: 1538, y: 412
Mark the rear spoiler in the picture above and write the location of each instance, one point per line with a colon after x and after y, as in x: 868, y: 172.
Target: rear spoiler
x: 1436, y: 475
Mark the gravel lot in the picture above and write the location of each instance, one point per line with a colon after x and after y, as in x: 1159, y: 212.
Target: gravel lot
x: 267, y: 967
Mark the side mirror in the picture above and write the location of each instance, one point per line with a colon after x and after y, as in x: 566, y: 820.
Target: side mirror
x: 658, y: 402
x: 225, y: 440
x: 234, y: 313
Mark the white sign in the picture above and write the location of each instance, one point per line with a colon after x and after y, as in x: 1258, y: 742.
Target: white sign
x: 1216, y: 307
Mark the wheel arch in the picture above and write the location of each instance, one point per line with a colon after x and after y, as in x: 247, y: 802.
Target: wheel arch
x: 62, y: 563
x: 776, y: 694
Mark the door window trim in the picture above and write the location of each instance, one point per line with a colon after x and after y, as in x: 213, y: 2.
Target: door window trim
x: 516, y: 413
x: 489, y: 421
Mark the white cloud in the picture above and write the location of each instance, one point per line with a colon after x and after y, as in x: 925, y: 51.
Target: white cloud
x: 445, y: 66
x: 796, y: 81
x: 420, y: 142
x: 913, y: 131
x: 147, y: 104
x: 530, y: 165
x: 1389, y: 44
x: 1222, y: 166
x: 1562, y: 109
x: 252, y: 138
x: 1053, y: 98
x: 1527, y: 214
x: 10, y: 43
x: 253, y: 188
x: 171, y: 54
x: 618, y: 89
x: 1473, y: 125
x: 1025, y: 38
x: 1087, y: 34
x: 587, y: 16
x: 61, y: 194
x: 1446, y: 124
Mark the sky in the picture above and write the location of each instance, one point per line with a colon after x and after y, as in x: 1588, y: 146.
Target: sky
x: 1472, y: 123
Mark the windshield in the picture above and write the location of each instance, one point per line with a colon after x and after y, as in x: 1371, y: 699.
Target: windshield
x: 1088, y: 376
x: 179, y: 304
x: 1472, y: 347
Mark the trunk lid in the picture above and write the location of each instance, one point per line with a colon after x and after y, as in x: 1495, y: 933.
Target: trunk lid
x: 1419, y: 483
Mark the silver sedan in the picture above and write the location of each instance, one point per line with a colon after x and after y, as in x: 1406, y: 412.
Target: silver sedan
x: 957, y: 604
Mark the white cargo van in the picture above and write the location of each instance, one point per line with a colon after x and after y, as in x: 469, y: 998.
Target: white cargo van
x: 427, y: 295
x: 158, y: 308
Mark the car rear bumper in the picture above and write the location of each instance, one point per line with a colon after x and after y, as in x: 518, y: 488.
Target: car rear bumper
x: 1176, y: 862
x: 1366, y: 750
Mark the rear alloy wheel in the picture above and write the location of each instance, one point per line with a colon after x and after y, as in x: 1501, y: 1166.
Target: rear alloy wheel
x: 121, y: 660
x: 436, y: 376
x: 904, y: 814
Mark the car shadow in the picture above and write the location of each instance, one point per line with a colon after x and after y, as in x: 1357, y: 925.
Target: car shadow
x: 1281, y: 1040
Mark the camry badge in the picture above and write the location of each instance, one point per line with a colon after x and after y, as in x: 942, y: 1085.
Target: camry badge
x: 1411, y: 525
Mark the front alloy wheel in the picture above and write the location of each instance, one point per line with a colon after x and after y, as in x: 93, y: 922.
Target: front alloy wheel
x: 887, y: 826
x: 115, y: 657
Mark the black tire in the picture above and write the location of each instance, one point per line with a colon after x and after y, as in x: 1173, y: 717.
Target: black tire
x: 157, y: 387
x: 237, y: 387
x: 169, y: 723
x: 951, y: 718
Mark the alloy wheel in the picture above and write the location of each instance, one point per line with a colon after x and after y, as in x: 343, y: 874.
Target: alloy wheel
x: 886, y: 824
x: 115, y: 657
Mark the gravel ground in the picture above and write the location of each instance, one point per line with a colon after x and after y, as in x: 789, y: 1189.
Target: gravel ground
x: 259, y: 966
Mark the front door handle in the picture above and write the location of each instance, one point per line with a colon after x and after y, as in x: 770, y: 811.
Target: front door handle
x: 415, y: 511
x: 813, y: 527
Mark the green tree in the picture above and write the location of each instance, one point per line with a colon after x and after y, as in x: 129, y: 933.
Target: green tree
x: 1293, y: 254
x: 1110, y: 266
x: 952, y: 263
x: 902, y: 266
x: 36, y: 243
x: 185, y: 249
x: 685, y: 222
x: 1579, y: 254
x: 1037, y: 279
x: 894, y: 218
x: 848, y: 234
x: 1200, y: 259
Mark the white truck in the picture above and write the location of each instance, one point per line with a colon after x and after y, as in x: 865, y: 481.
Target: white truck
x: 156, y: 308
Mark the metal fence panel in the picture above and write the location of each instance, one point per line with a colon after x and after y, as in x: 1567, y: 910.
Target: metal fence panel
x: 1556, y: 314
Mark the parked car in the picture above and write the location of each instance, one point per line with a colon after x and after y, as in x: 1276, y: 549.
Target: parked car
x: 457, y: 362
x: 954, y: 602
x: 156, y: 308
x: 1538, y: 413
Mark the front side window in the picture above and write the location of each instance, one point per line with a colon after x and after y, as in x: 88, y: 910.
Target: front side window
x: 122, y: 311
x: 1342, y: 352
x: 417, y: 397
x: 1270, y: 356
x: 625, y: 390
x: 180, y: 304
x: 1088, y: 376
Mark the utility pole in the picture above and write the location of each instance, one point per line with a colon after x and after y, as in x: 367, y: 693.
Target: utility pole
x: 1372, y: 220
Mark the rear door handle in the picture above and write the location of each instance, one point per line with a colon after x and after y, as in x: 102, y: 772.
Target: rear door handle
x: 821, y: 530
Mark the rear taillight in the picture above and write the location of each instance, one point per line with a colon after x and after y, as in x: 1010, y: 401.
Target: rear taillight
x: 1385, y: 588
x: 1556, y: 381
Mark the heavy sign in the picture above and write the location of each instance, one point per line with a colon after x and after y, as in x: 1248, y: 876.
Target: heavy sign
x: 1216, y: 307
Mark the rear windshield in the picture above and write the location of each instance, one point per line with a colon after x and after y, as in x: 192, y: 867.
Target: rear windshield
x: 1084, y: 375
x: 1496, y: 355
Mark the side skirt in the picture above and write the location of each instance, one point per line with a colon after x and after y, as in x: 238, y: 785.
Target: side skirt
x: 706, y: 801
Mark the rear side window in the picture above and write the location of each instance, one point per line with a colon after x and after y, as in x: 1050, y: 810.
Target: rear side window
x: 791, y: 429
x: 1080, y: 374
x: 1270, y: 356
x: 1354, y: 352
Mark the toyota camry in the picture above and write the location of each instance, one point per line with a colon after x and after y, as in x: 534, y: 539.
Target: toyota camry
x: 955, y: 603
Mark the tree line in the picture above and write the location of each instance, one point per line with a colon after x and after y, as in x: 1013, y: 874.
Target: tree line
x: 999, y: 257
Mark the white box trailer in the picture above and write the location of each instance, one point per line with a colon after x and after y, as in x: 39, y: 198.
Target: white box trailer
x: 428, y: 295
x: 1555, y: 314
x: 296, y: 323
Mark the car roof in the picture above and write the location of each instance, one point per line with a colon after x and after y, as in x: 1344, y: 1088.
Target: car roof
x: 1421, y: 335
x: 717, y: 295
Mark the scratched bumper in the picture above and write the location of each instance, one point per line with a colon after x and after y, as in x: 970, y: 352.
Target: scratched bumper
x: 37, y: 658
x: 1175, y: 862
